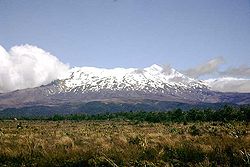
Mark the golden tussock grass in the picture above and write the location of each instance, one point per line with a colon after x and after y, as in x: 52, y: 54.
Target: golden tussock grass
x: 120, y: 143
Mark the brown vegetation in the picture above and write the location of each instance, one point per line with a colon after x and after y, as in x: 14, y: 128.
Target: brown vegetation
x: 120, y: 143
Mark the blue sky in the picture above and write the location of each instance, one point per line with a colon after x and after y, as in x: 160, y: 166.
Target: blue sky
x: 131, y: 33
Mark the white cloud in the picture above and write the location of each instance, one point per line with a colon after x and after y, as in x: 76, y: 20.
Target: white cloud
x: 206, y: 68
x: 28, y: 66
x: 229, y: 84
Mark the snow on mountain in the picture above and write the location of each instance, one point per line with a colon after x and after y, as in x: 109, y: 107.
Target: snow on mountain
x: 153, y: 78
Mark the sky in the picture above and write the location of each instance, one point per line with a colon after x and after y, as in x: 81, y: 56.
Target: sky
x: 130, y: 33
x: 201, y: 38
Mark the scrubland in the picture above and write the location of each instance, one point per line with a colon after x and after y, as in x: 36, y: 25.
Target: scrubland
x: 123, y: 143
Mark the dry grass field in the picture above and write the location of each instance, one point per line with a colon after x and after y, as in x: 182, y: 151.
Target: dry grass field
x: 121, y: 143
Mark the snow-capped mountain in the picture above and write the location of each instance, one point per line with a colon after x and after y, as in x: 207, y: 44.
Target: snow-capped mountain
x: 151, y: 79
x: 120, y: 85
x: 154, y: 82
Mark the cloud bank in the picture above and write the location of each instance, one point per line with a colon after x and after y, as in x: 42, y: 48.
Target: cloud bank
x: 207, y: 68
x: 229, y: 84
x: 28, y: 66
x: 233, y: 79
x: 242, y: 71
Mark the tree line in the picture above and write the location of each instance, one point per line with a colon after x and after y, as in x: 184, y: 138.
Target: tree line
x: 224, y: 114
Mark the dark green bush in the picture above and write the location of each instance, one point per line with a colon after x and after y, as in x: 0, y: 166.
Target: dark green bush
x: 224, y: 114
